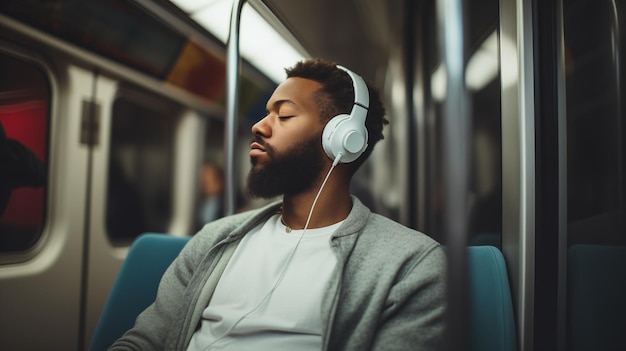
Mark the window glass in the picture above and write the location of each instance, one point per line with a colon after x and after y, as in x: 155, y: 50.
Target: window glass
x: 24, y: 116
x: 482, y: 81
x: 596, y: 150
x: 140, y: 167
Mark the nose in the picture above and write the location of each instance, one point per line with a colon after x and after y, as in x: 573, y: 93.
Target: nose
x: 262, y: 127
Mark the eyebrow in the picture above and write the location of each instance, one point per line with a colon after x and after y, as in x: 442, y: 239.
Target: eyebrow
x: 277, y: 104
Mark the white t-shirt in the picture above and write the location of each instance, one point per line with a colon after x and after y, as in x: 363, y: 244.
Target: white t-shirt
x: 287, y: 319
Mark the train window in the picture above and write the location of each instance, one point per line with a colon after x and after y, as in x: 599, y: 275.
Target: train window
x: 24, y: 119
x: 141, y: 167
x: 595, y: 123
x: 482, y: 80
x: 596, y: 180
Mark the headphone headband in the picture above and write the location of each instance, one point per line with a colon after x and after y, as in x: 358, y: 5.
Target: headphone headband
x: 361, y: 94
x: 345, y: 136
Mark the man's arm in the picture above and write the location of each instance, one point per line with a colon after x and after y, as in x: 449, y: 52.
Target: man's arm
x: 414, y: 317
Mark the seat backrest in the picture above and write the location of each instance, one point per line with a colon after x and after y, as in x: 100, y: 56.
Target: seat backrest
x: 135, y: 286
x: 596, y: 301
x: 491, y: 309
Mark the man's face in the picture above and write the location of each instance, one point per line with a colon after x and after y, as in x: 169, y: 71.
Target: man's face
x: 286, y: 155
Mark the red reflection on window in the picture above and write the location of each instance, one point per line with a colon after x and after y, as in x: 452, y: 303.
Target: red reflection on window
x: 26, y: 123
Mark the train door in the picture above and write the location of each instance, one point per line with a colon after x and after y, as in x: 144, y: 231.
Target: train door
x: 119, y: 139
x: 109, y: 161
x: 44, y: 171
x: 146, y: 149
x: 101, y: 259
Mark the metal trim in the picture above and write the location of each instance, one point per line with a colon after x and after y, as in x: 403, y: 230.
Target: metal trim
x: 518, y: 153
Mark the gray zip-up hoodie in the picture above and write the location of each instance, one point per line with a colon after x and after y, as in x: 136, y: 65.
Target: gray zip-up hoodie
x: 387, y: 291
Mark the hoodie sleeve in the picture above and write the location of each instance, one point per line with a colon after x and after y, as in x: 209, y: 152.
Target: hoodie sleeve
x: 415, y: 308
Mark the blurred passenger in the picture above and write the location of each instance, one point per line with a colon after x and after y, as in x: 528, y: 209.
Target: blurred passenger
x: 212, y: 186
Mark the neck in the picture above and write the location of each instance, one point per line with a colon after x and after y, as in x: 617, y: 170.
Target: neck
x: 333, y: 205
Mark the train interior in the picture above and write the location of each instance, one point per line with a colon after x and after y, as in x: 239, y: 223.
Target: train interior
x: 113, y: 116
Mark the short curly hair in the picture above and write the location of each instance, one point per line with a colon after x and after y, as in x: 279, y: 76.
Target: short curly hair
x: 337, y: 97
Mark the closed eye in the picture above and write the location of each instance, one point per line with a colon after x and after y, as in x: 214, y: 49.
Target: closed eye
x: 284, y: 117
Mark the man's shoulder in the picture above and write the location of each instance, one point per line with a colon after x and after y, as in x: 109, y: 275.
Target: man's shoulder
x: 384, y: 245
x: 385, y: 228
x: 376, y: 230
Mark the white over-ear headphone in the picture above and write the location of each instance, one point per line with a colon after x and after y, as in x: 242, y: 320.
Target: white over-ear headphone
x: 345, y: 136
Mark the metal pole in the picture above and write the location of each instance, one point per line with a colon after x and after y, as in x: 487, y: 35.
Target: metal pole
x: 232, y: 85
x: 456, y: 124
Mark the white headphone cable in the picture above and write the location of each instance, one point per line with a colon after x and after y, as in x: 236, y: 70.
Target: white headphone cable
x: 286, y: 265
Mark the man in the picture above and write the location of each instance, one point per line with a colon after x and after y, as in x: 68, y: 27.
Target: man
x: 317, y: 270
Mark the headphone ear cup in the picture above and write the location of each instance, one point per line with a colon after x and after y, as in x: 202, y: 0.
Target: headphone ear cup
x: 343, y: 136
x: 329, y: 136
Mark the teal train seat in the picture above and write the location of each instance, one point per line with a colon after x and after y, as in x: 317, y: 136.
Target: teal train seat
x: 596, y: 301
x: 491, y: 308
x: 135, y: 286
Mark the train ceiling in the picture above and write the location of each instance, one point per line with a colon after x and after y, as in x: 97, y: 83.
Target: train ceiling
x: 361, y: 32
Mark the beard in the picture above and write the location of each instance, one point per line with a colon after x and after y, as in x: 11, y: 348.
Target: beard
x: 289, y: 173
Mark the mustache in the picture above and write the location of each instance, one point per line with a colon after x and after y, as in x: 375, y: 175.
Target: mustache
x: 268, y: 148
x: 259, y: 140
